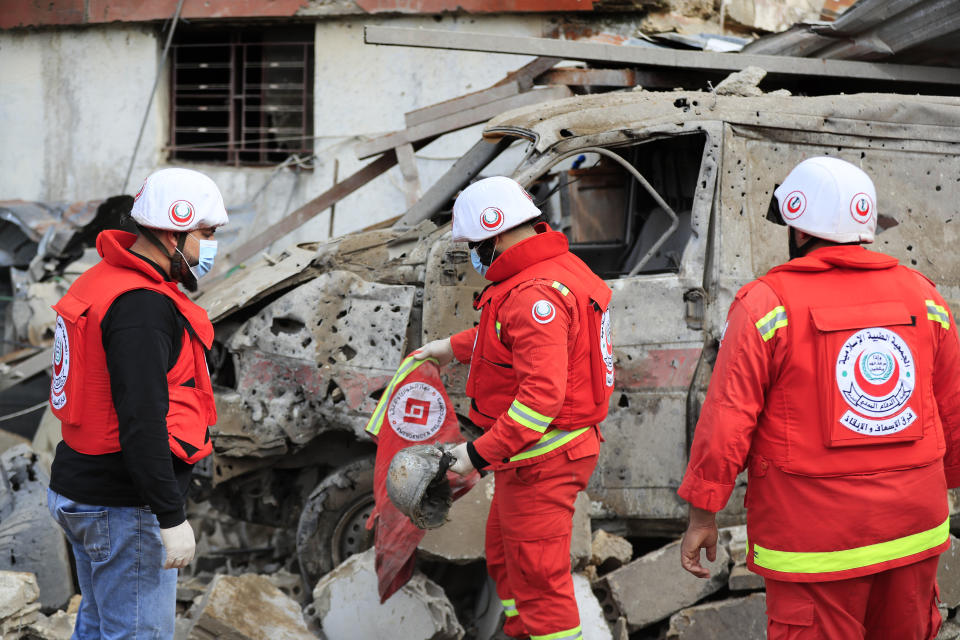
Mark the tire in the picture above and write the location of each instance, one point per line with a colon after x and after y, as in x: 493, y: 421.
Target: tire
x: 333, y: 521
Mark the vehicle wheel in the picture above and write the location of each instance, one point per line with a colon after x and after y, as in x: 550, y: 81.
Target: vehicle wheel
x: 333, y: 521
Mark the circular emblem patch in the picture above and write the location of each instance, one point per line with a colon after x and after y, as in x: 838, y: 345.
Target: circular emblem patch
x: 61, y: 365
x: 417, y: 411
x: 543, y: 311
x: 491, y: 219
x: 876, y: 376
x: 861, y: 208
x: 606, y: 346
x: 794, y: 205
x: 181, y: 213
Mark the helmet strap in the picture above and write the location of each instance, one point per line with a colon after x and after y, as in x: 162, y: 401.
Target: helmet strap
x: 795, y: 250
x: 179, y: 269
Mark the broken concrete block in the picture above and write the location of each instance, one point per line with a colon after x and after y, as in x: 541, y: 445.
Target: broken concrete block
x: 655, y: 586
x: 74, y: 605
x: 290, y: 584
x: 580, y: 538
x: 948, y: 574
x: 592, y: 621
x: 346, y: 604
x: 949, y: 631
x: 247, y: 607
x: 740, y: 618
x: 742, y: 83
x: 461, y: 539
x: 742, y: 579
x: 30, y: 539
x: 621, y: 630
x: 18, y: 603
x: 609, y: 551
x: 772, y: 15
x: 735, y: 540
x: 58, y: 626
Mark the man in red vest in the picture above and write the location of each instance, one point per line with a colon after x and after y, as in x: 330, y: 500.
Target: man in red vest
x: 131, y: 389
x: 837, y: 386
x: 541, y: 374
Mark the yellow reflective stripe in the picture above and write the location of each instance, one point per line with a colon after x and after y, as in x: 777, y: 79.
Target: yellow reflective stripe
x: 827, y: 561
x: 406, y: 367
x: 510, y: 608
x: 528, y: 417
x: 938, y: 314
x: 550, y: 441
x: 569, y: 634
x: 498, y: 330
x: 768, y: 324
x: 559, y: 287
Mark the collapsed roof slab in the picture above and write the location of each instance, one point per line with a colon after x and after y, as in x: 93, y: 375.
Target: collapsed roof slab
x: 656, y: 57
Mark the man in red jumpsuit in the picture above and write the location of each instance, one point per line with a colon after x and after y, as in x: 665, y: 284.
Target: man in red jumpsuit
x: 836, y: 386
x: 541, y: 374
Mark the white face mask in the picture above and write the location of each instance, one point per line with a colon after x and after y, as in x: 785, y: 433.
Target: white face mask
x: 206, y: 253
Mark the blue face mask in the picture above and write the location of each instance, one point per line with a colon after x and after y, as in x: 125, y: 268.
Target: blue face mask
x: 477, y: 263
x: 206, y: 253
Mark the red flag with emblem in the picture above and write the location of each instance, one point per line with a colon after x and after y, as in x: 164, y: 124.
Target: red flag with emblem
x: 414, y: 409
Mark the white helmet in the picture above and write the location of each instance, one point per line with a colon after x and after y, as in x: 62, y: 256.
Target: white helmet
x: 830, y: 199
x: 178, y: 200
x: 489, y: 207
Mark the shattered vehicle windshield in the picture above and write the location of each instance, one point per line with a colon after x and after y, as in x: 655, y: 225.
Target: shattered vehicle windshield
x: 611, y: 218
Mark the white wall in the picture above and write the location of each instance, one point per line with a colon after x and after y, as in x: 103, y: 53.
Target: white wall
x: 72, y: 100
x: 71, y: 103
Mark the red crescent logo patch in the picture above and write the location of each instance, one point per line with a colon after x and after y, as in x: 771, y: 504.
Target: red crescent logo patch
x: 543, y: 311
x: 181, y: 213
x: 861, y: 208
x: 491, y: 219
x: 794, y: 205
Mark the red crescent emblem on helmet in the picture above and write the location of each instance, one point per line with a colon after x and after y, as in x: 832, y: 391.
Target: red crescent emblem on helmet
x: 139, y: 193
x: 491, y: 219
x: 794, y: 205
x: 181, y: 213
x: 861, y: 208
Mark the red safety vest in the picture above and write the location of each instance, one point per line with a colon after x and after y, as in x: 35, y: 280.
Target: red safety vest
x: 590, y: 373
x: 80, y: 387
x: 873, y: 355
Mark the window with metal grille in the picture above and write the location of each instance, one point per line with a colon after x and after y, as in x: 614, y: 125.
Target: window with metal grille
x: 241, y: 96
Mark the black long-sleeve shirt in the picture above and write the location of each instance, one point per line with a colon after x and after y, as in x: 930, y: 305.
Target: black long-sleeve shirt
x: 142, y: 332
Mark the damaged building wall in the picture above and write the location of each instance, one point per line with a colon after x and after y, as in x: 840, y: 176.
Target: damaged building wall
x: 72, y: 100
x: 70, y: 106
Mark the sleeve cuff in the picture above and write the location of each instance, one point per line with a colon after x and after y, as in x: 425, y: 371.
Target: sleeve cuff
x: 170, y: 519
x: 704, y: 494
x: 462, y: 345
x: 475, y: 458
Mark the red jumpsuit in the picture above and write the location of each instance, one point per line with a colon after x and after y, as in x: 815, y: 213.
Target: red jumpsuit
x: 541, y: 374
x: 837, y: 385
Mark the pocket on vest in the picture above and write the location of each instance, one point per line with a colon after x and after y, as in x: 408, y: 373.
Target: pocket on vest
x: 67, y: 377
x: 868, y: 382
x: 187, y: 423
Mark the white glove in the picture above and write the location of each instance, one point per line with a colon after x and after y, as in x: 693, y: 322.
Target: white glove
x: 179, y: 544
x: 439, y: 349
x: 463, y: 466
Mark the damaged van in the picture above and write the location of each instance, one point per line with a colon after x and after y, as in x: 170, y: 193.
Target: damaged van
x: 664, y: 195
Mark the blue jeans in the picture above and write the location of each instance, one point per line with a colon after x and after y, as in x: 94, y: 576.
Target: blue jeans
x: 126, y: 592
